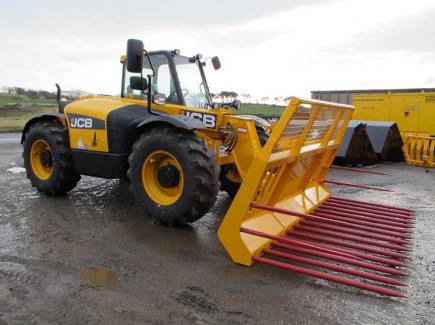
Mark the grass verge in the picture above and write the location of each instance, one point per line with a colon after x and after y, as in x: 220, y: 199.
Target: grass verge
x: 14, y: 117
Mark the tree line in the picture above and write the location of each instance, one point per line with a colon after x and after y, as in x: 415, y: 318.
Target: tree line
x: 32, y: 94
x: 43, y: 94
x: 247, y: 98
x: 223, y: 96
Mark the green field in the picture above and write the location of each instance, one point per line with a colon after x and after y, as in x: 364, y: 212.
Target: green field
x: 260, y: 109
x: 9, y: 99
x: 15, y: 110
x: 13, y: 119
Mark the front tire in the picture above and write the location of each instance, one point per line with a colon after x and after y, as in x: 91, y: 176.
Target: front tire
x: 173, y: 175
x: 48, y: 160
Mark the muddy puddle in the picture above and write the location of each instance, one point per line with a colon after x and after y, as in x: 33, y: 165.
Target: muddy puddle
x: 100, y: 276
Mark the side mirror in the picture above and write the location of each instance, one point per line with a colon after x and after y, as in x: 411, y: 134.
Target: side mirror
x: 138, y: 83
x: 216, y: 62
x: 134, y: 55
x: 236, y: 104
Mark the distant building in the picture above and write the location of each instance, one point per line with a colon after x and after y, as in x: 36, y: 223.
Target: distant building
x: 346, y: 96
x: 412, y: 109
x: 75, y: 93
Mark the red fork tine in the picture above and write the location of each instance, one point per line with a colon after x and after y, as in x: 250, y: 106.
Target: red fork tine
x: 351, y: 238
x: 350, y: 261
x: 365, y: 214
x: 356, y: 226
x: 322, y: 221
x: 373, y: 225
x: 338, y: 242
x: 307, y: 216
x: 358, y: 170
x: 330, y: 277
x: 329, y: 266
x: 365, y: 218
x: 355, y: 232
x: 330, y: 233
x: 349, y: 206
x: 297, y: 242
x: 335, y: 182
x: 371, y: 204
x: 311, y: 239
x: 363, y: 256
x: 365, y: 206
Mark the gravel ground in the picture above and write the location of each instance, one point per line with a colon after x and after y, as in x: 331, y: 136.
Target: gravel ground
x: 182, y: 275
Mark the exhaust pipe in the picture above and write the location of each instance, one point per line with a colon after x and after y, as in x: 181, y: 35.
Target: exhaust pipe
x: 59, y: 92
x: 60, y: 101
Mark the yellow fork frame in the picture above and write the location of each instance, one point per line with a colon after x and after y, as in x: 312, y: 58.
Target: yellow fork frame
x: 288, y: 172
x: 419, y: 149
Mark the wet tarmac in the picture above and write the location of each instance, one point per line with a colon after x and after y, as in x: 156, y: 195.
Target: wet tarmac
x: 160, y: 275
x: 7, y: 138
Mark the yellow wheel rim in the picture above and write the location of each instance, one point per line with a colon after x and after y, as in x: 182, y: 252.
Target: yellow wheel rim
x: 233, y: 176
x: 41, y: 159
x: 163, y: 194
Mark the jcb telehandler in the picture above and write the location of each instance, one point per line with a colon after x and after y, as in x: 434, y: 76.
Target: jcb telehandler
x: 164, y: 134
x: 175, y: 146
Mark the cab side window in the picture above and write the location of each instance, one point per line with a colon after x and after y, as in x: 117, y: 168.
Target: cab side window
x: 161, y: 82
x: 164, y: 80
x: 128, y: 91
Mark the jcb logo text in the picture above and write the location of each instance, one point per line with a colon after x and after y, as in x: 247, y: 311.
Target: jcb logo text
x: 81, y: 122
x: 209, y: 120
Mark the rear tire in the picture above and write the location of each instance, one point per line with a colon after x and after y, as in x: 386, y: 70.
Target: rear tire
x: 173, y: 175
x: 48, y: 160
x: 230, y: 178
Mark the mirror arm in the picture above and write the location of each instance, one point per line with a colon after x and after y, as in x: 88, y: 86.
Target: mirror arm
x: 205, y: 84
x: 149, y: 92
x: 149, y: 95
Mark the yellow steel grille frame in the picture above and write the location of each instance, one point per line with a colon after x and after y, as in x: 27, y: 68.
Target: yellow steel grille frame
x: 419, y: 150
x: 288, y: 172
x: 294, y: 129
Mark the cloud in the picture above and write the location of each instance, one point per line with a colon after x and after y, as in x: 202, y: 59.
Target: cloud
x: 267, y: 48
x: 52, y: 40
x: 114, y: 17
x: 411, y: 33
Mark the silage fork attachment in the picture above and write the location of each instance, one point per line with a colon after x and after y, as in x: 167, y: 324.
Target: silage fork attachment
x: 284, y: 215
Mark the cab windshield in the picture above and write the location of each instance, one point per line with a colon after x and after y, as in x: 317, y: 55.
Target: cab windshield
x: 191, y: 83
x: 193, y: 87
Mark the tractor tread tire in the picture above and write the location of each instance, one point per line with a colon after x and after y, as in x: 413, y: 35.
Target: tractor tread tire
x: 64, y: 176
x: 200, y: 171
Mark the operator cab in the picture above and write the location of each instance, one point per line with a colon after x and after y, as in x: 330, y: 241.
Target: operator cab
x: 177, y: 79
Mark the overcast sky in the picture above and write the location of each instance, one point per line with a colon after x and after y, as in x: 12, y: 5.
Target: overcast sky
x: 267, y: 48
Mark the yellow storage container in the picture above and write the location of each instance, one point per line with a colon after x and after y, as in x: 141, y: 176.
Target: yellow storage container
x: 412, y: 109
x: 413, y: 112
